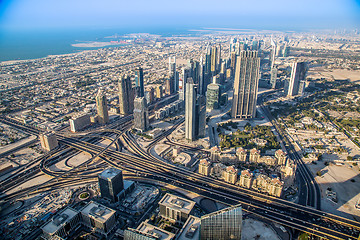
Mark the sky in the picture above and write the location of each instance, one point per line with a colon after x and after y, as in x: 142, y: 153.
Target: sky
x: 259, y: 14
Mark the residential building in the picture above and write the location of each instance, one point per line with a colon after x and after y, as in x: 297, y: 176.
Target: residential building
x: 241, y: 154
x: 230, y: 175
x: 204, y: 167
x: 246, y: 179
x: 254, y: 155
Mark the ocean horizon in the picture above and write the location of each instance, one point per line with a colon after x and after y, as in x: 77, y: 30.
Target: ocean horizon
x: 25, y: 45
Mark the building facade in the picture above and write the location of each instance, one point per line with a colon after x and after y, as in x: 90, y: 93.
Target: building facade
x: 246, y: 85
x: 141, y: 115
x: 190, y: 109
x: 298, y: 74
x: 79, y: 122
x: 212, y: 97
x: 175, y: 208
x: 139, y: 82
x: 225, y: 224
x: 111, y: 183
x: 126, y: 96
x: 48, y: 141
x: 102, y: 108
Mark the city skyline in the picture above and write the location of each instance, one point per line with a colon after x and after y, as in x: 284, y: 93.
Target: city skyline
x: 186, y: 130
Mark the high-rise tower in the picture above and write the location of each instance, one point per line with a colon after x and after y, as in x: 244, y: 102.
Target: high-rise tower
x: 190, y: 109
x: 298, y: 73
x: 141, y: 115
x: 101, y: 106
x: 126, y: 96
x: 139, y: 82
x: 111, y: 183
x: 246, y: 85
x: 173, y: 74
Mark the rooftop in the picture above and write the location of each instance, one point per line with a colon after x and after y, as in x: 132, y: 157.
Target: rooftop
x: 97, y: 211
x: 191, y: 229
x: 176, y: 202
x: 110, y: 173
x: 59, y: 220
x: 155, y: 231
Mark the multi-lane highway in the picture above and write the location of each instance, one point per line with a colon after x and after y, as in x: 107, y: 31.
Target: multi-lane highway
x: 278, y: 210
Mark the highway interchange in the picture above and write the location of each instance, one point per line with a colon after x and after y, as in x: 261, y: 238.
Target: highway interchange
x: 143, y: 166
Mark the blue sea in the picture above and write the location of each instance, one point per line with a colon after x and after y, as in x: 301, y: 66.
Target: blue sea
x: 26, y: 44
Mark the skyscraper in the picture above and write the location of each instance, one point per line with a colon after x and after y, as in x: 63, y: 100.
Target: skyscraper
x: 246, y: 85
x: 139, y: 82
x: 298, y: 73
x: 272, y: 53
x: 169, y: 85
x: 212, y: 97
x: 214, y: 53
x: 190, y: 109
x: 186, y: 73
x: 218, y: 58
x: 172, y: 73
x: 225, y: 224
x: 141, y: 115
x: 101, y: 106
x: 273, y: 77
x: 202, y: 77
x: 126, y: 97
x: 200, y: 116
x: 111, y: 183
x: 208, y: 60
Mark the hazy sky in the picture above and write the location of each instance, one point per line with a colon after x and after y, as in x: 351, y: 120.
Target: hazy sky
x: 262, y: 14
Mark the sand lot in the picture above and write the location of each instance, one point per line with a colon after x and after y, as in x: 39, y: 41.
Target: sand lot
x: 338, y: 74
x: 338, y: 178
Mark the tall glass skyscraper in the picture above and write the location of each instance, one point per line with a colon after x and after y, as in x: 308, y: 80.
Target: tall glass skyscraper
x: 225, y: 224
x: 298, y: 73
x: 246, y: 85
x: 101, y: 106
x: 126, y: 97
x: 111, y: 183
x: 139, y: 82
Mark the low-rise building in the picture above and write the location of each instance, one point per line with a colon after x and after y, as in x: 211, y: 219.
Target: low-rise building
x: 230, y: 175
x: 204, y: 167
x: 280, y: 155
x: 48, y: 141
x: 98, y: 217
x: 79, y: 122
x: 190, y: 230
x: 146, y: 231
x: 175, y: 208
x: 246, y: 179
x: 61, y: 224
x: 254, y: 155
x: 241, y: 154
